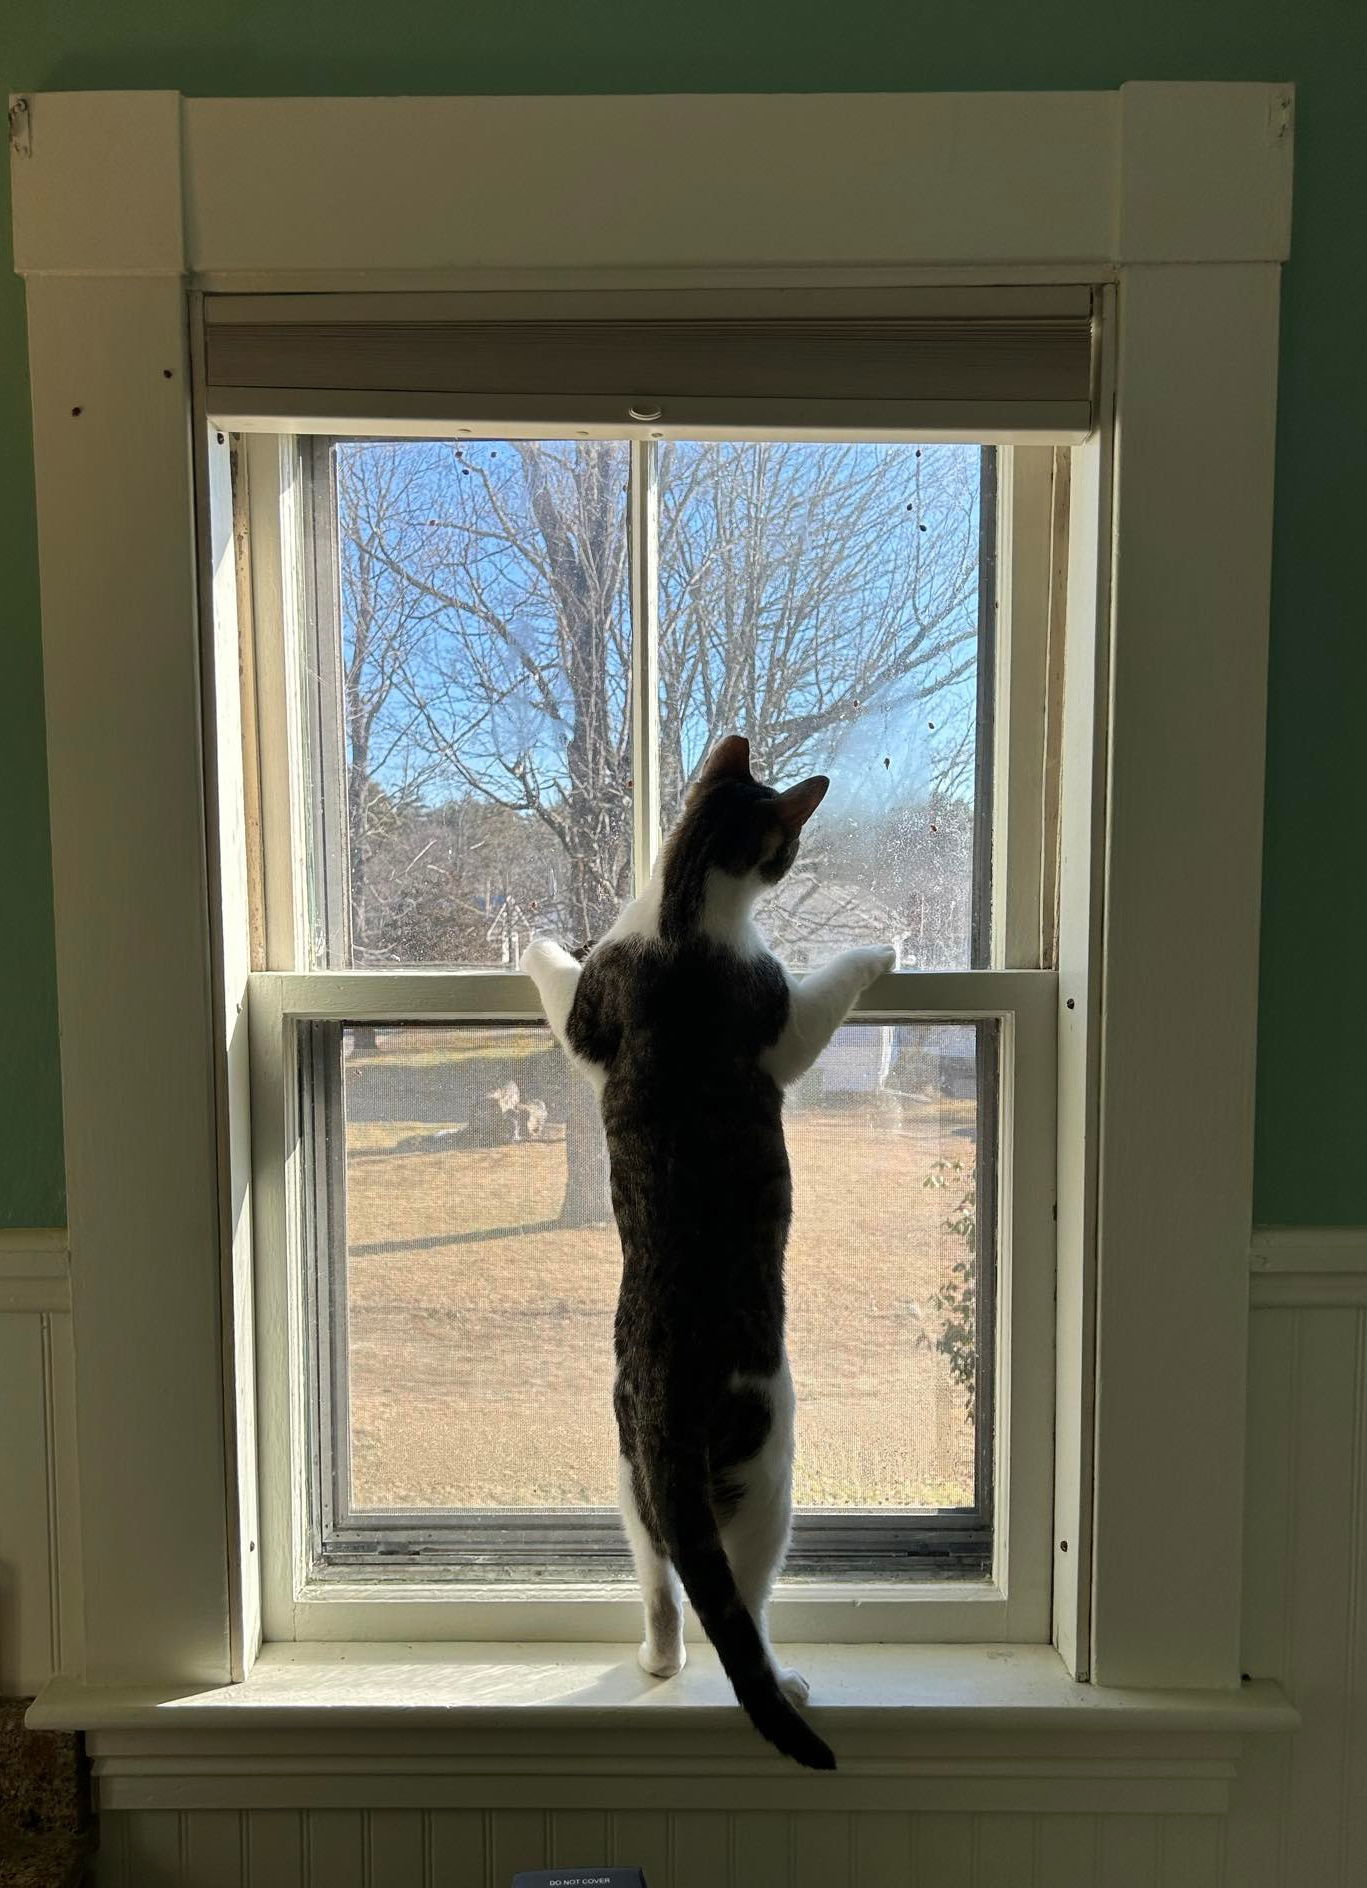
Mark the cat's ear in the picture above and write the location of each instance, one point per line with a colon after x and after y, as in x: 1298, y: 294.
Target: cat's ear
x: 796, y: 806
x: 729, y: 760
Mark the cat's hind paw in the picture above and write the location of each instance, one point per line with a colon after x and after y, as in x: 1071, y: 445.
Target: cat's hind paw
x: 661, y: 1661
x: 794, y: 1687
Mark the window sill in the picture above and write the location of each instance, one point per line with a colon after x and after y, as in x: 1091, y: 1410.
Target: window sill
x: 987, y: 1726
x: 854, y: 1687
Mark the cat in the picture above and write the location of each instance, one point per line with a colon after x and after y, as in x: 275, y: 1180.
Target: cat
x: 689, y: 1030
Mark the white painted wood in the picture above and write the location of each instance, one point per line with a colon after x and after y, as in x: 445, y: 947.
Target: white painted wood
x: 1022, y: 177
x: 155, y: 1848
x: 1237, y: 140
x: 883, y: 1848
x: 35, y: 1271
x: 1299, y: 1249
x: 887, y: 1688
x: 1003, y: 1851
x: 288, y: 186
x: 944, y: 1850
x: 66, y: 1573
x: 129, y: 888
x: 100, y: 193
x: 1323, y: 1266
x: 458, y: 1848
x: 798, y: 1849
x: 1066, y: 1852
x: 820, y: 1846
x: 643, y: 527
x: 578, y: 1838
x: 395, y: 1847
x: 231, y: 967
x: 1024, y: 569
x: 1129, y: 1852
x: 950, y: 178
x: 1298, y: 1804
x: 40, y: 1574
x: 35, y: 1249
x: 1251, y: 1836
x: 1081, y: 835
x: 1327, y: 1290
x: 275, y: 1848
x: 215, y: 1841
x: 1014, y: 1608
x: 1188, y: 657
x: 456, y: 995
x: 270, y: 467
x: 110, y: 1863
x: 518, y: 1840
x: 29, y: 1621
x: 334, y: 1848
x: 1326, y: 1555
x: 698, y: 1846
x: 761, y: 1849
x: 641, y: 1840
x: 1189, y: 1849
x: 1269, y: 1511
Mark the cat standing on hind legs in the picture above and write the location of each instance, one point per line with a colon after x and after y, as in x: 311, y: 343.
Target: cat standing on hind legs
x: 690, y: 1029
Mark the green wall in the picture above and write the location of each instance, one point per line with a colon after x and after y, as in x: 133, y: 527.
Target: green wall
x: 1312, y: 1088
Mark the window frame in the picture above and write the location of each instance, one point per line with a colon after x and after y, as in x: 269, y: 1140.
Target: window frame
x: 304, y: 1601
x: 287, y: 516
x: 248, y: 194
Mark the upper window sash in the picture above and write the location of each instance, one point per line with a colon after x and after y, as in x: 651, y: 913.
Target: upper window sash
x: 286, y: 499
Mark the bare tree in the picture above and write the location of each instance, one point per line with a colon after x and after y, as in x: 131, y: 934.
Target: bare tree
x: 821, y: 600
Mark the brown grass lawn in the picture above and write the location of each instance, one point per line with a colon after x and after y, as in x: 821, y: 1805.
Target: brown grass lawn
x: 481, y: 1336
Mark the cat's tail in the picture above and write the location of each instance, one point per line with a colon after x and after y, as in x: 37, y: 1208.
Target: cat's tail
x: 678, y: 1487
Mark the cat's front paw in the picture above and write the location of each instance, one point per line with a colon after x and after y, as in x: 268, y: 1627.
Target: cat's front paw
x: 879, y: 959
x: 541, y: 950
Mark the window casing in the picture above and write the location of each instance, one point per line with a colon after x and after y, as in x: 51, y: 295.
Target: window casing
x: 1169, y: 577
x: 339, y: 1553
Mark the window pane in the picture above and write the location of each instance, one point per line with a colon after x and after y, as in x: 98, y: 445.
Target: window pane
x: 882, y: 1329
x: 480, y: 1273
x: 485, y: 667
x: 823, y: 599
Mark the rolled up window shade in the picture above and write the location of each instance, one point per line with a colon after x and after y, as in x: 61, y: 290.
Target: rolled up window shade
x: 976, y: 361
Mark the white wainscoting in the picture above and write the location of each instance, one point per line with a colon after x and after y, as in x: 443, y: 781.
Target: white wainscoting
x: 39, y: 1562
x: 405, y: 1848
x: 1298, y: 1806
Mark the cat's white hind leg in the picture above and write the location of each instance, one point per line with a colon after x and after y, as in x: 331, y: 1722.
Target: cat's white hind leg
x: 662, y: 1650
x: 756, y: 1535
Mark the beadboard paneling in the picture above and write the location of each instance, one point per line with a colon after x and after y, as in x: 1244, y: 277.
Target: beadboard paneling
x: 1298, y: 1815
x: 39, y: 1564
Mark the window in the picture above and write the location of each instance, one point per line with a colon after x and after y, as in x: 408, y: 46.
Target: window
x: 497, y: 661
x: 1168, y: 548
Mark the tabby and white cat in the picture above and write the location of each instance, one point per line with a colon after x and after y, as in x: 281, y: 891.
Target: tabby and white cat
x: 689, y: 1029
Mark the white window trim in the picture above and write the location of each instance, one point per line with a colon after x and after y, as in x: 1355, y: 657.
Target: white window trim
x: 123, y: 201
x: 1012, y: 1606
x: 303, y: 1602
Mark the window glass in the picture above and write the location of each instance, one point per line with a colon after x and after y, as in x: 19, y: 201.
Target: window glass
x: 486, y: 656
x: 825, y: 601
x: 480, y: 1271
